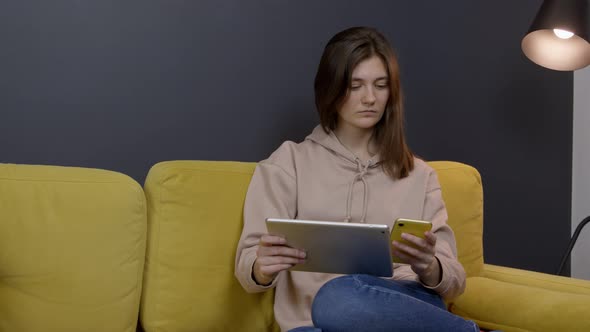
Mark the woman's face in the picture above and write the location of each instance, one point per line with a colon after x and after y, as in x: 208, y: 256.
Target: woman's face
x: 367, y: 96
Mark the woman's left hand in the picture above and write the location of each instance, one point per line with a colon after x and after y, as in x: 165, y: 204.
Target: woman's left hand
x: 420, y: 256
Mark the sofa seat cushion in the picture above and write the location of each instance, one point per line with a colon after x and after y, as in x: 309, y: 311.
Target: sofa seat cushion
x: 512, y: 307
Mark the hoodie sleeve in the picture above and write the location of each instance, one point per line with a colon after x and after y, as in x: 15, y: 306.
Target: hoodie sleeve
x: 452, y: 283
x: 271, y: 194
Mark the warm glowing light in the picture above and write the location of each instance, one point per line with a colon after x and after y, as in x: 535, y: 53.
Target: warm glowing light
x: 563, y: 34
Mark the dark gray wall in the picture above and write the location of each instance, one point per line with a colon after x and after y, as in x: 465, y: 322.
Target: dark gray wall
x: 122, y: 85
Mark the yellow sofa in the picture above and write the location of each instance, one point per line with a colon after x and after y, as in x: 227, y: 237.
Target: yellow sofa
x: 195, y: 220
x: 73, y: 240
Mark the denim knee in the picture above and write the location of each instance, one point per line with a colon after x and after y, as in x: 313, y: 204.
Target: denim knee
x: 333, y: 302
x: 356, y: 302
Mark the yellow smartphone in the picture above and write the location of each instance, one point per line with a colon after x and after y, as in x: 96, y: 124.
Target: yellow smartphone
x: 410, y: 226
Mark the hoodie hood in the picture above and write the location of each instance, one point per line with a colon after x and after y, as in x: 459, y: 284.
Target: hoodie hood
x: 359, y: 170
x: 333, y: 144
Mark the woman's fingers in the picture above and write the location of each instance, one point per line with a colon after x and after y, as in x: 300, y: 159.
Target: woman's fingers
x: 431, y: 238
x: 271, y: 270
x: 280, y: 251
x: 278, y: 260
x: 275, y: 245
x: 417, y: 252
x: 418, y: 263
x: 272, y: 240
x: 270, y: 265
x: 427, y: 244
x: 412, y: 252
x: 404, y: 257
x: 274, y: 256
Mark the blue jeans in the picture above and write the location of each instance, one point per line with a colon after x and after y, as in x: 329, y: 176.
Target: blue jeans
x: 366, y: 303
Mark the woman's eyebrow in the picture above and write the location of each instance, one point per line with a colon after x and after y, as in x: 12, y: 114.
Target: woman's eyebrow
x: 358, y: 79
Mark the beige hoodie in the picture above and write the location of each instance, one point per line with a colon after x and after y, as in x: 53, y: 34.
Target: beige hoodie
x: 319, y: 179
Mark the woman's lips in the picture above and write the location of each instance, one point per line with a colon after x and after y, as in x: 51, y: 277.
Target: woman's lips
x: 368, y: 112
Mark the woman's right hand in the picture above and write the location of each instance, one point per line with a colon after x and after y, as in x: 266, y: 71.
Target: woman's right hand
x: 273, y: 256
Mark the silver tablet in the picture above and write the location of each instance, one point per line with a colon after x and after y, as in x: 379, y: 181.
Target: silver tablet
x: 337, y: 247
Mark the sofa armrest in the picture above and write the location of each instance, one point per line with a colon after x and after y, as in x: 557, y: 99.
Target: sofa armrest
x: 514, y: 307
x: 536, y: 279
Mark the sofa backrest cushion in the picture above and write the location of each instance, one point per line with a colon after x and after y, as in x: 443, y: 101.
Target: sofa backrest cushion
x: 194, y: 224
x: 463, y: 195
x: 72, y: 249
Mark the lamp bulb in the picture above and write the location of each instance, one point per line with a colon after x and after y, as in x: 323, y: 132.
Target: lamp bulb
x: 563, y: 34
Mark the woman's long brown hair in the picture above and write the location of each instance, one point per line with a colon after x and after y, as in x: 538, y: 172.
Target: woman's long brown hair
x: 332, y: 83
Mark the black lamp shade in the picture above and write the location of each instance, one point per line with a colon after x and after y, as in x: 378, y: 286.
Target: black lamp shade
x: 545, y: 48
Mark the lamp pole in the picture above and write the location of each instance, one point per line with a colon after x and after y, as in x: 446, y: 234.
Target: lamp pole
x: 572, y: 243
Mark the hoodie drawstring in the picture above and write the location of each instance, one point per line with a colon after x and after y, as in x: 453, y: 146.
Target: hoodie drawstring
x: 358, y: 176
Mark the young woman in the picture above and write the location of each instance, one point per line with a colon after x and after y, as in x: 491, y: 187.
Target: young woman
x: 354, y: 167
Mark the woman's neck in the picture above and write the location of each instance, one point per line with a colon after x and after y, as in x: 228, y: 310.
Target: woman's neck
x: 356, y: 140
